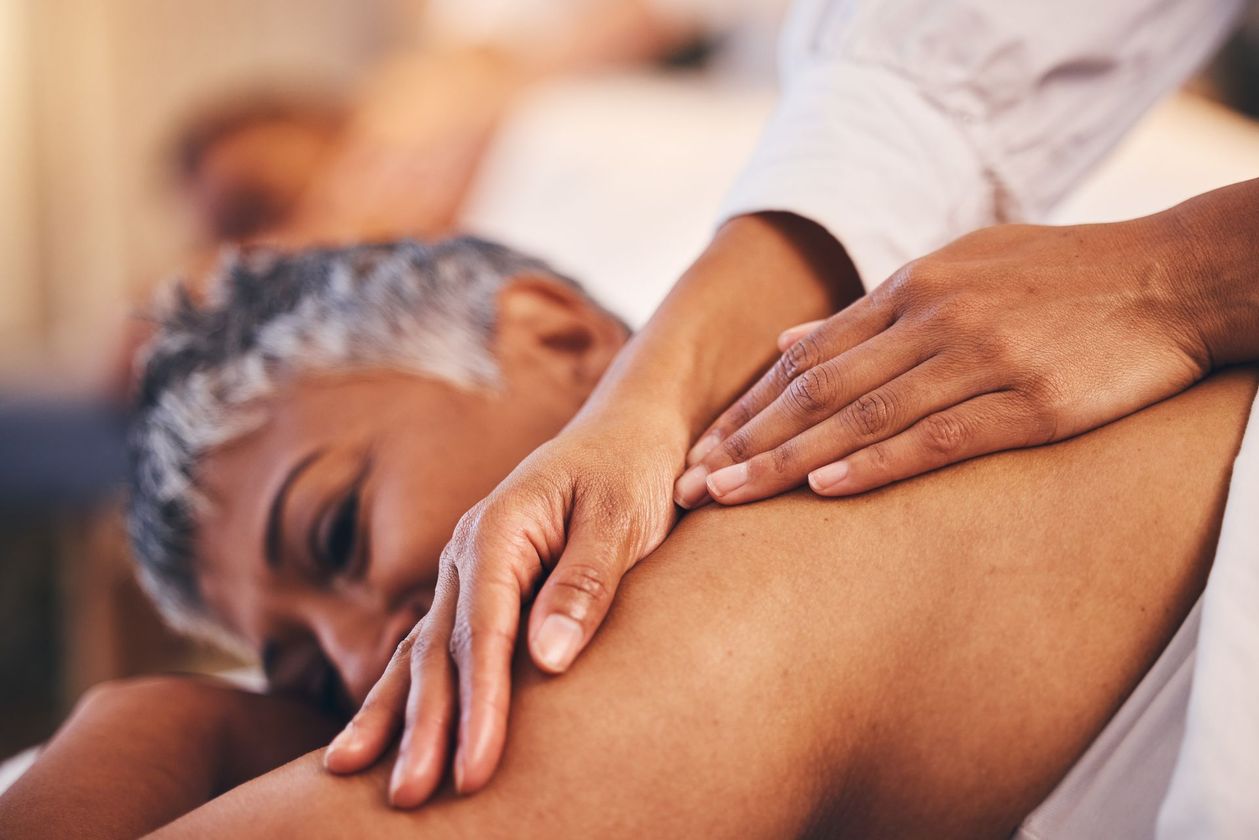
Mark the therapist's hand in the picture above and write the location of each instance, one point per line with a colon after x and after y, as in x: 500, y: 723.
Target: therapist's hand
x: 1012, y: 336
x: 574, y: 517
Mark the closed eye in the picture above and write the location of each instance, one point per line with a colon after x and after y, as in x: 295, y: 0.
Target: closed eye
x: 335, y: 544
x: 339, y: 536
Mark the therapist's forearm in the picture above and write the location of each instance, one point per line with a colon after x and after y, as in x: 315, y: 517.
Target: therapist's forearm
x: 716, y: 330
x: 1219, y: 293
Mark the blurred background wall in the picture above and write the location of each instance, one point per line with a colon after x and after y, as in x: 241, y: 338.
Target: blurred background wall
x: 90, y: 92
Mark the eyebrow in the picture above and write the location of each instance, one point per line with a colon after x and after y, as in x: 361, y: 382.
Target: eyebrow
x: 275, y: 517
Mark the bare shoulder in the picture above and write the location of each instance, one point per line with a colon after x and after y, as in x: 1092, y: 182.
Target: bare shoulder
x: 979, y: 625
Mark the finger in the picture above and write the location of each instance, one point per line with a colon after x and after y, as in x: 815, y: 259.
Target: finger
x: 791, y: 335
x: 484, y: 638
x: 809, y: 399
x: 875, y: 416
x: 430, y: 703
x: 575, y: 598
x: 987, y: 423
x: 846, y: 329
x: 373, y: 727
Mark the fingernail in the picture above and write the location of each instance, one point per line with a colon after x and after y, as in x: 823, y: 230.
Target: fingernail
x: 728, y: 480
x: 398, y: 777
x: 825, y: 478
x: 703, y: 447
x: 557, y: 640
x: 459, y: 772
x: 691, y: 487
x: 788, y: 337
x: 345, y: 741
x: 793, y: 334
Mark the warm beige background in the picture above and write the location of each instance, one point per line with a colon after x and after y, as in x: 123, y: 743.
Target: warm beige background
x: 90, y: 91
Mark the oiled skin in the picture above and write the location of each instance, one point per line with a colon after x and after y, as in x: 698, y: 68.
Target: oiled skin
x: 923, y: 661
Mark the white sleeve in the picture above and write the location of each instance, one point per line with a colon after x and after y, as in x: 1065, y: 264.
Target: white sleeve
x: 903, y: 124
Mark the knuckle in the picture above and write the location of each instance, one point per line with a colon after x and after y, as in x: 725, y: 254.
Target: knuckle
x: 425, y: 652
x: 737, y: 447
x: 1042, y: 393
x: 1040, y: 413
x: 466, y: 638
x: 1042, y: 429
x: 458, y: 551
x: 812, y: 392
x: 801, y: 356
x: 737, y: 417
x: 1001, y: 348
x: 871, y: 415
x: 913, y: 282
x: 944, y: 433
x: 880, y: 457
x: 460, y: 640
x: 960, y: 321
x: 402, y: 653
x: 582, y: 582
x: 783, y: 458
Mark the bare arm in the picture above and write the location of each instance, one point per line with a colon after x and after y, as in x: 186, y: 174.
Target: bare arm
x: 923, y: 661
x: 137, y: 754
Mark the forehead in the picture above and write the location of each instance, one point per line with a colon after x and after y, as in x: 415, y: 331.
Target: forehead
x: 341, y: 414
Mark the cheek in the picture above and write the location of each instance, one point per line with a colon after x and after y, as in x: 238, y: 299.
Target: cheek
x: 412, y: 521
x: 420, y: 493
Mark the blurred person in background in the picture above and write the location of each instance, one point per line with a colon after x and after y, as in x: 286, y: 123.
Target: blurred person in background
x: 425, y: 118
x: 243, y: 164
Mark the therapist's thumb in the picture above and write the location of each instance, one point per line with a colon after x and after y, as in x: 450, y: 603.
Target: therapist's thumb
x: 576, y: 595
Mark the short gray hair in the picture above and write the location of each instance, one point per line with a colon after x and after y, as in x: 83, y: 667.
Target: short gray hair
x: 269, y: 317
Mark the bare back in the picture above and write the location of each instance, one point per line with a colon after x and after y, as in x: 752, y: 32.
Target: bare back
x: 926, y: 660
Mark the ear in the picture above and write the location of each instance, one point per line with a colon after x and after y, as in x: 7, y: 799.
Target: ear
x: 548, y: 327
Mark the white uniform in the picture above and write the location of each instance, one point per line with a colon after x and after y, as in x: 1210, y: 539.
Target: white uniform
x: 903, y: 124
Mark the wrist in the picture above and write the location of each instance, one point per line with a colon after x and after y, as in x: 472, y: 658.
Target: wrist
x: 1211, y: 246
x: 717, y: 330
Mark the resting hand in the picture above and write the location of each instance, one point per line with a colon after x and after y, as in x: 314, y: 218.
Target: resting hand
x: 579, y: 512
x: 1012, y: 336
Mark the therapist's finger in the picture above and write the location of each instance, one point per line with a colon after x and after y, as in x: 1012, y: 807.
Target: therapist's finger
x: 810, y: 398
x: 988, y: 423
x: 577, y: 594
x: 819, y: 393
x: 370, y: 731
x: 430, y: 704
x: 482, y: 642
x: 842, y: 331
x: 876, y: 415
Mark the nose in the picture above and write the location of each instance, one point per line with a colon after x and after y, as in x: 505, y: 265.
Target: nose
x: 359, y: 641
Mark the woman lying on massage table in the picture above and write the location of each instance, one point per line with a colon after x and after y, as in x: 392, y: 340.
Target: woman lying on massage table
x: 927, y: 660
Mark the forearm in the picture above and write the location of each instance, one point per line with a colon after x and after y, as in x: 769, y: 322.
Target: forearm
x: 1214, y: 266
x: 136, y: 755
x: 716, y: 330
